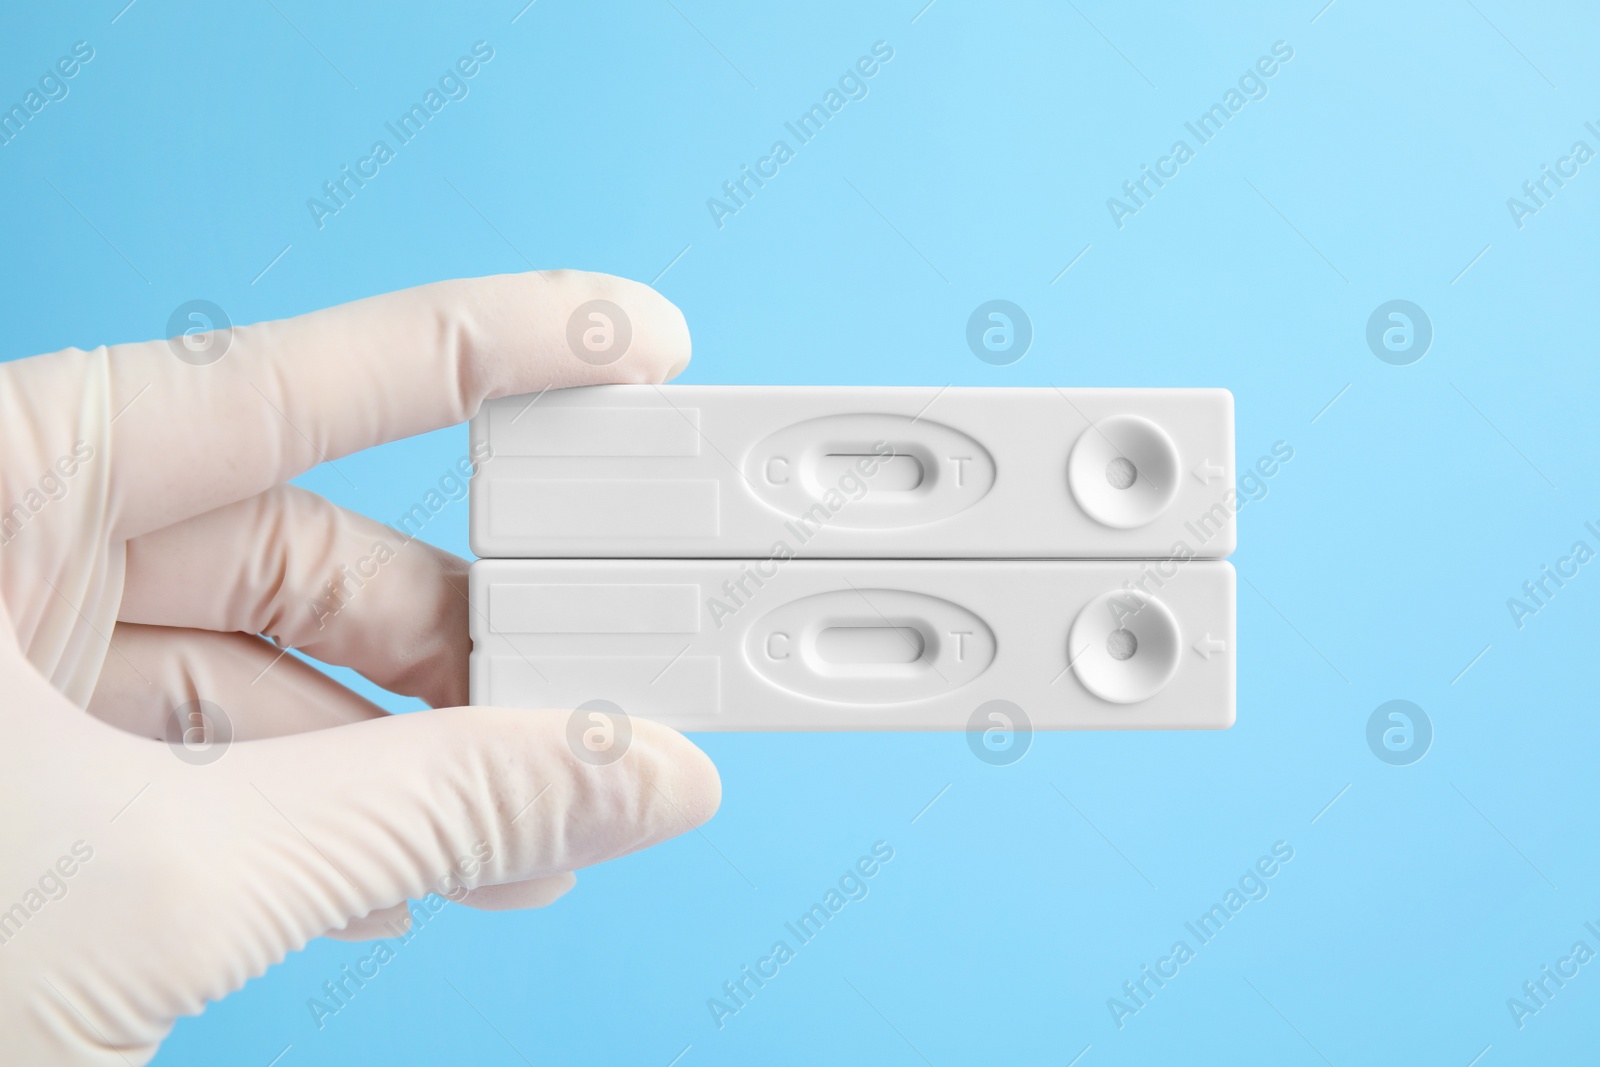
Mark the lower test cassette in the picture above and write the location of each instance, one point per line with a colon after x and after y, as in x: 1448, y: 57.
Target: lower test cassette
x: 735, y: 472
x: 805, y: 644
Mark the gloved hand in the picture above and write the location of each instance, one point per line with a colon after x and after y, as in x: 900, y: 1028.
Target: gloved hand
x: 146, y: 540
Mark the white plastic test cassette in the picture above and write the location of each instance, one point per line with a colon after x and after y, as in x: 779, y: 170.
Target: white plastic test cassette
x: 801, y: 644
x: 855, y: 473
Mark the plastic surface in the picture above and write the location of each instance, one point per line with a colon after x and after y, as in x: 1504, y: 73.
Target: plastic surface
x: 855, y: 472
x: 799, y: 644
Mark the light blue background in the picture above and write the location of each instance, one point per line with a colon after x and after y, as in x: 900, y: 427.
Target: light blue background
x: 1377, y: 567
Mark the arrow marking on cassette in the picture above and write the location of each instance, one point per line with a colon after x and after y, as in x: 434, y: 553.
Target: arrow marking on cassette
x: 1208, y: 644
x: 1208, y: 472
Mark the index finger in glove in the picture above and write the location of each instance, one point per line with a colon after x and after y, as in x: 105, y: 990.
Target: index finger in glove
x: 192, y: 427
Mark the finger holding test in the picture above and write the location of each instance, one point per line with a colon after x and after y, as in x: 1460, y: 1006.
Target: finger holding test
x: 317, y: 578
x: 289, y: 394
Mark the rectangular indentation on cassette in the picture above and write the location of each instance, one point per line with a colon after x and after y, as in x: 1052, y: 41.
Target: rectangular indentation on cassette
x: 865, y: 645
x: 601, y: 508
x: 555, y: 430
x: 594, y: 609
x: 889, y: 474
x: 685, y: 689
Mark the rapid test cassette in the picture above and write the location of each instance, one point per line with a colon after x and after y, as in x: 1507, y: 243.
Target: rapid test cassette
x: 804, y: 644
x: 855, y: 473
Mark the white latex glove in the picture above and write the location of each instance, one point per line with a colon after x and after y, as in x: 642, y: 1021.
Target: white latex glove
x: 146, y: 540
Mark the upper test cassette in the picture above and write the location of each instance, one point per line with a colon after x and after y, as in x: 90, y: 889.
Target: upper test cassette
x: 855, y: 472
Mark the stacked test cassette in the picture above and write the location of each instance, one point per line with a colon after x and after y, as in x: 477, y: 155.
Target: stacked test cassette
x: 832, y: 558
